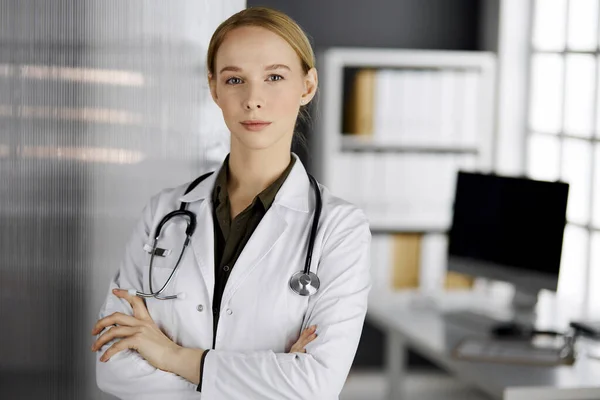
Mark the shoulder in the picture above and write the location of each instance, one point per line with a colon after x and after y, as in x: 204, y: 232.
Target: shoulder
x: 341, y: 218
x: 168, y: 198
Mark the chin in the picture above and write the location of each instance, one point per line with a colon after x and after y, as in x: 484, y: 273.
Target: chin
x: 257, y: 140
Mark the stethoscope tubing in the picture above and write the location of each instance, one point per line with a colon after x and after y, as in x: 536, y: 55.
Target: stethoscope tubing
x: 303, y: 283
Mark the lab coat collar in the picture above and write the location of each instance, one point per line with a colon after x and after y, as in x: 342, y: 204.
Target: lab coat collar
x: 292, y: 194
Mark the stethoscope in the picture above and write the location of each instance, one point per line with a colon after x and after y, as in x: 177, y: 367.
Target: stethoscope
x: 303, y: 283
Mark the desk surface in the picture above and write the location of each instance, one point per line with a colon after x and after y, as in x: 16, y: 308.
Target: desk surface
x: 425, y: 330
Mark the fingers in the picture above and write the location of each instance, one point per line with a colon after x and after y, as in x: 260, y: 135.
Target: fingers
x: 296, y: 349
x: 117, y: 347
x: 307, y: 336
x: 137, y: 304
x: 118, y: 332
x: 115, y: 318
x: 308, y: 331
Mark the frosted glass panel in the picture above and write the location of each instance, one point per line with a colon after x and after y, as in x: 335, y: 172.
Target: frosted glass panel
x: 596, y: 111
x: 546, y: 93
x: 576, y: 170
x: 596, y: 188
x: 549, y: 24
x: 543, y: 157
x: 594, y: 283
x: 579, y: 93
x: 583, y: 25
x: 573, y: 264
x: 102, y: 104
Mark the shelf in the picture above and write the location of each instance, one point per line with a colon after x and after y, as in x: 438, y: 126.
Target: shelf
x: 412, y: 224
x: 348, y: 163
x: 409, y: 58
x: 368, y: 143
x: 391, y: 230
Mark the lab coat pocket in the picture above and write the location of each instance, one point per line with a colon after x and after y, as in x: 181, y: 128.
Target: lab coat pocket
x: 161, y: 311
x: 168, y: 250
x: 162, y: 268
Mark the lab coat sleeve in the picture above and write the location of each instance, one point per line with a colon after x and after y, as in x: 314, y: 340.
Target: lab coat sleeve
x: 338, y: 310
x: 127, y: 375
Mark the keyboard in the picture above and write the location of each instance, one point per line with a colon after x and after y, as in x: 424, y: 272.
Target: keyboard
x: 473, y: 321
x: 518, y: 352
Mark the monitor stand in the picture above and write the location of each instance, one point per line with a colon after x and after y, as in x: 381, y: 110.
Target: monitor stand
x: 523, y: 308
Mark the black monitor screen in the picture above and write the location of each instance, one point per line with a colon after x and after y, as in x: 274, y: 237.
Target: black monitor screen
x: 514, y: 222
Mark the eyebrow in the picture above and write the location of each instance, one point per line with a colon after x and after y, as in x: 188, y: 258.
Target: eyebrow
x: 267, y: 68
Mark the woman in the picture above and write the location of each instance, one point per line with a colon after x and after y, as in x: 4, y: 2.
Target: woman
x: 254, y: 219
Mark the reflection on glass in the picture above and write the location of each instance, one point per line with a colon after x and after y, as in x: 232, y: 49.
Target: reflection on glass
x: 104, y: 155
x: 546, y: 93
x: 583, y: 24
x: 85, y: 75
x: 573, y: 265
x: 579, y: 94
x: 596, y: 211
x: 98, y: 115
x: 543, y: 157
x: 549, y: 24
x: 594, y: 282
x: 576, y: 170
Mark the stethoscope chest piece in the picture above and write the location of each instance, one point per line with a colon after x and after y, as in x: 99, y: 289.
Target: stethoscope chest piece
x: 304, y: 284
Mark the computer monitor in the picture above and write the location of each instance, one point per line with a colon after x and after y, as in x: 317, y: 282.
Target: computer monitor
x: 508, y: 229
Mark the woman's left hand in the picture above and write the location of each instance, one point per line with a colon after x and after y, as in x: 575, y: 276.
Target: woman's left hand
x: 138, y: 332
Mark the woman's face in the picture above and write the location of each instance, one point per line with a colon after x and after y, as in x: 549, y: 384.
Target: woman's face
x: 259, y: 85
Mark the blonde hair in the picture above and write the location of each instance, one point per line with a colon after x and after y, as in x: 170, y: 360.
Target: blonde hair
x: 278, y: 23
x: 268, y: 18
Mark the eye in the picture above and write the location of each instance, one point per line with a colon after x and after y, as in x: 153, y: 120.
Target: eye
x: 233, y: 81
x: 275, y: 77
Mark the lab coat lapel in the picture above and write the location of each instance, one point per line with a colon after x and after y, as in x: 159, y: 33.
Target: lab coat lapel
x: 203, y: 244
x: 292, y: 197
x: 267, y: 234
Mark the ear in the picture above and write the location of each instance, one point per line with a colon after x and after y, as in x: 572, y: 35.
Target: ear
x: 311, y: 82
x: 212, y: 85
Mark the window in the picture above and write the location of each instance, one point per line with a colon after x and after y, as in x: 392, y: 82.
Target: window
x: 563, y: 138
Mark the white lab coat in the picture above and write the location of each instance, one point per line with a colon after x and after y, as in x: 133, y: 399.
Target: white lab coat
x: 260, y: 317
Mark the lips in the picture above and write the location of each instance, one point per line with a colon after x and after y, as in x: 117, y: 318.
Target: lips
x: 255, y: 125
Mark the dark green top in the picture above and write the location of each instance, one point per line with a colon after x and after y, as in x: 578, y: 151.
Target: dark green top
x: 231, y: 236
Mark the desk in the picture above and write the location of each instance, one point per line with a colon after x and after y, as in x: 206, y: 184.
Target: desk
x: 424, y: 330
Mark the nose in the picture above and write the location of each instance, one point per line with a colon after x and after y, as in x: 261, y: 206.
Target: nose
x: 254, y: 100
x: 252, y: 105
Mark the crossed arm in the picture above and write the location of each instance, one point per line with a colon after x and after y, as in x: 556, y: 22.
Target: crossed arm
x: 143, y: 363
x: 140, y: 333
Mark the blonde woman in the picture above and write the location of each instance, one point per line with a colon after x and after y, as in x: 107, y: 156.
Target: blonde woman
x: 257, y: 284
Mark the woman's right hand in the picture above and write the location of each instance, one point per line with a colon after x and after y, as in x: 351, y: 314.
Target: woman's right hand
x: 307, y: 336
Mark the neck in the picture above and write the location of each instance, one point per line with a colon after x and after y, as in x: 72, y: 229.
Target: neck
x: 251, y: 172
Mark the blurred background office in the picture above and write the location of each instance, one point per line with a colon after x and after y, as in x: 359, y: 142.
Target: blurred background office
x: 105, y: 102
